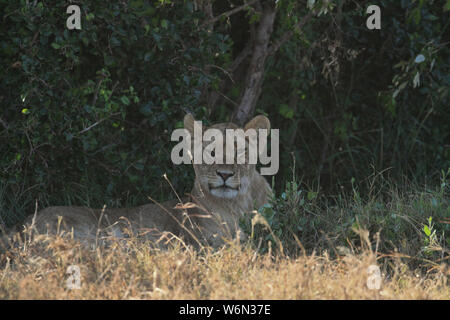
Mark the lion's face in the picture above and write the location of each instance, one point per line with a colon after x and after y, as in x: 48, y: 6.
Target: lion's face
x: 226, y: 180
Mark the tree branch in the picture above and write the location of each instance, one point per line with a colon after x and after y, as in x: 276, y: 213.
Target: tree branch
x: 4, y: 124
x: 229, y: 13
x: 241, y: 56
x: 214, y: 95
x: 255, y: 72
x: 282, y: 40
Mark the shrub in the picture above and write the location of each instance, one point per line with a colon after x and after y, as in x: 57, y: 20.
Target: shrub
x: 87, y: 114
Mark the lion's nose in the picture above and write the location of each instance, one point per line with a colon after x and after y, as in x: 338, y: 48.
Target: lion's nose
x: 225, y: 174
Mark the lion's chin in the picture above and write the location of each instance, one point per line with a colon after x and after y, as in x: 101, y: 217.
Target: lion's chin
x: 224, y: 192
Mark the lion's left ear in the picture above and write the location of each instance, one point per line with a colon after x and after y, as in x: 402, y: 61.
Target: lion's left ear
x: 258, y: 122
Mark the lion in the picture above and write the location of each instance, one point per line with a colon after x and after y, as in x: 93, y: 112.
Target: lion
x: 209, y: 215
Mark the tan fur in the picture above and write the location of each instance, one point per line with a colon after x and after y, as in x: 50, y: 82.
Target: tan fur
x: 211, y: 220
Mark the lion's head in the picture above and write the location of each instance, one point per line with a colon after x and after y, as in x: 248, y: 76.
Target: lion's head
x: 226, y: 181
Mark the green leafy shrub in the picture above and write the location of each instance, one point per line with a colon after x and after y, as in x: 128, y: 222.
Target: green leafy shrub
x: 410, y: 222
x: 348, y: 98
x: 87, y: 114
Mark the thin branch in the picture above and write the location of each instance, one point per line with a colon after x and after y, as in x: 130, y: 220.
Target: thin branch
x: 98, y: 122
x: 222, y: 69
x: 242, y: 55
x: 282, y: 40
x: 229, y: 13
x: 94, y: 100
x: 4, y: 124
x: 228, y: 99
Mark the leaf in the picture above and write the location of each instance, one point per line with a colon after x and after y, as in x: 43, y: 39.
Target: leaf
x: 415, y: 15
x: 447, y: 6
x: 125, y: 100
x: 431, y: 17
x: 55, y: 46
x: 426, y: 230
x: 109, y: 60
x: 311, y: 3
x: 311, y: 195
x: 254, y: 18
x: 286, y: 112
x: 139, y: 166
x: 146, y: 109
x: 69, y: 136
x: 133, y: 178
x: 416, y: 81
x: 434, y: 203
x: 420, y: 58
x: 115, y: 42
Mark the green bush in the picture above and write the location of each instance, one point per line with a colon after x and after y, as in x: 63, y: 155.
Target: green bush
x: 411, y: 221
x: 350, y: 100
x: 87, y: 114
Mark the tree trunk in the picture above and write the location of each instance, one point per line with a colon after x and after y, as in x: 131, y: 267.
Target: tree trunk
x: 255, y: 72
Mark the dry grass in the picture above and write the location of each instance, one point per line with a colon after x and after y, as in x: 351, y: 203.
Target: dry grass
x: 404, y: 234
x: 36, y: 269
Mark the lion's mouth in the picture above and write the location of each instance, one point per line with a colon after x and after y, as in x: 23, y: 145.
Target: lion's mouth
x: 223, y: 191
x: 222, y: 187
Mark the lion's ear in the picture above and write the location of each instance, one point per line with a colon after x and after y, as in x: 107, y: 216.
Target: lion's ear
x: 189, y: 123
x: 258, y: 122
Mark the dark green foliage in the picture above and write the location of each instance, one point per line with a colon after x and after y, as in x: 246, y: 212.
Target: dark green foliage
x: 388, y: 220
x: 87, y: 114
x: 349, y: 99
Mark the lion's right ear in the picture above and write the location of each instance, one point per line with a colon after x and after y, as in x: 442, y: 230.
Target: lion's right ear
x: 189, y: 123
x: 258, y: 122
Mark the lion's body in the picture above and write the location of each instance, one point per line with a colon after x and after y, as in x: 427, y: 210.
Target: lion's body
x: 218, y: 206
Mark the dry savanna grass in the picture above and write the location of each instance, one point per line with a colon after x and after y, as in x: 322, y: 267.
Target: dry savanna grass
x: 132, y: 269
